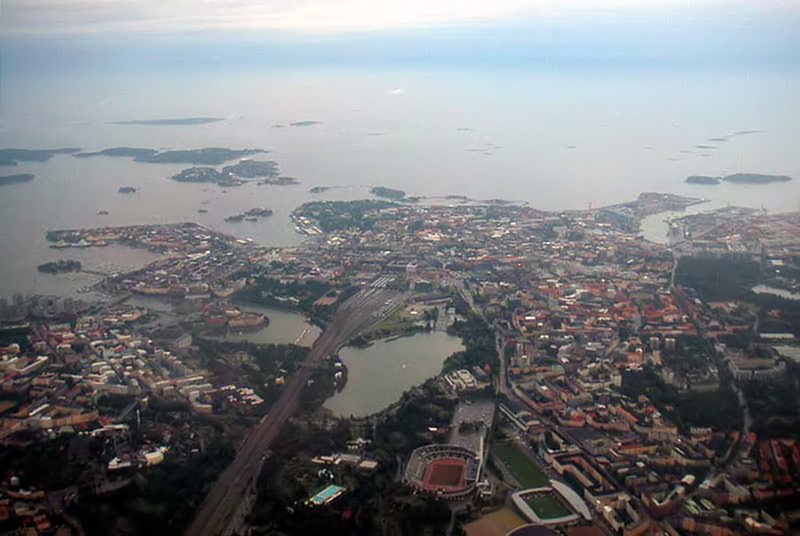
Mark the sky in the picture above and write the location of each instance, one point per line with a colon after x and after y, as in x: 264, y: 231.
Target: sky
x: 70, y: 17
x: 108, y: 32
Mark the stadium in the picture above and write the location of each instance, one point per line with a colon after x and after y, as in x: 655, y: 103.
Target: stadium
x: 447, y: 471
x: 553, y: 505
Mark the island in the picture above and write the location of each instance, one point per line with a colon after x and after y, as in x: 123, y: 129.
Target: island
x: 15, y: 179
x: 127, y: 190
x: 236, y: 174
x: 199, y: 174
x: 251, y: 215
x: 180, y: 121
x: 210, y: 156
x: 702, y: 179
x: 756, y: 178
x: 253, y: 169
x: 280, y: 181
x: 738, y: 178
x: 387, y: 193
x: 319, y: 189
x: 11, y: 157
x: 60, y: 266
x: 305, y: 123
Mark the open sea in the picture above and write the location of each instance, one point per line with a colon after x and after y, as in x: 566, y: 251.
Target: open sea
x: 558, y: 140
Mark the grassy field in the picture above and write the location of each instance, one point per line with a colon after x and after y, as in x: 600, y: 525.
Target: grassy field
x: 547, y: 507
x: 522, y: 468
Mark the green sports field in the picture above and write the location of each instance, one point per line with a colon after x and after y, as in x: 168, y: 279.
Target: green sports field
x: 522, y: 468
x: 547, y: 506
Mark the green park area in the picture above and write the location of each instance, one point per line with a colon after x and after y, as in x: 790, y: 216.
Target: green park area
x: 521, y: 467
x: 546, y: 506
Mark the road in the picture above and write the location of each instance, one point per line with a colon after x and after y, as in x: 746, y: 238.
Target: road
x: 364, y: 309
x: 500, y: 345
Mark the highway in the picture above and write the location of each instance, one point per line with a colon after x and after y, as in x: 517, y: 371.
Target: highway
x: 364, y: 309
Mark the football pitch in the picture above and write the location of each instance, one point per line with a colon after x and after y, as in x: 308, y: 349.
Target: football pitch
x: 547, y: 507
x: 522, y: 468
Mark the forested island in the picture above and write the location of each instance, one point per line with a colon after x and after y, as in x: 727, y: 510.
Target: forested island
x: 180, y: 121
x: 237, y: 174
x: 756, y: 178
x: 251, y: 215
x: 15, y: 179
x: 703, y: 179
x: 12, y: 157
x: 199, y: 174
x: 253, y: 169
x: 319, y: 189
x: 60, y: 266
x: 127, y: 190
x: 387, y: 193
x: 280, y: 181
x: 210, y: 156
x: 738, y: 178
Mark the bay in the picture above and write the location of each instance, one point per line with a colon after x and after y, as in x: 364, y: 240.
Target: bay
x: 379, y: 374
x: 285, y: 327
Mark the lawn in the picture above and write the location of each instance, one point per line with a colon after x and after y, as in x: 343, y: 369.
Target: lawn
x: 547, y: 506
x: 521, y: 467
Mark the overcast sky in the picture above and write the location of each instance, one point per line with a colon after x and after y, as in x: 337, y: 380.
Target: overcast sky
x: 54, y: 17
x: 659, y: 30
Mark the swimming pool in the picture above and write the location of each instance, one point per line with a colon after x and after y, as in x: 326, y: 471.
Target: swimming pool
x: 327, y: 495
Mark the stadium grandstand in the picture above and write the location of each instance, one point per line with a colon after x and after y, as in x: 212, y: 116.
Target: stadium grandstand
x: 553, y: 505
x: 447, y: 471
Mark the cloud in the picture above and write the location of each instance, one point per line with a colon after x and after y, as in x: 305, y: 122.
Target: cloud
x: 66, y: 17
x: 397, y: 91
x: 69, y: 35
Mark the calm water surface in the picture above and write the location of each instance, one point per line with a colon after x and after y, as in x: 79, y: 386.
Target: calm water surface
x: 285, y: 327
x: 378, y: 375
x: 783, y: 293
x: 574, y: 139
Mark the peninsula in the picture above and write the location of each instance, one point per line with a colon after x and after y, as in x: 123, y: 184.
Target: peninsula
x: 15, y: 179
x: 60, y: 266
x: 647, y: 368
x: 12, y: 157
